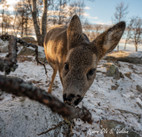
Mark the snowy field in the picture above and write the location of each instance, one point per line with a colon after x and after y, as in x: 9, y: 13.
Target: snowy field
x: 107, y: 98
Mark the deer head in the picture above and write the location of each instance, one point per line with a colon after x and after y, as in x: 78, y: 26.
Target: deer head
x: 79, y: 70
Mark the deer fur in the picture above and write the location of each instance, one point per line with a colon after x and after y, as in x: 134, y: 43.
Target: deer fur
x: 69, y: 51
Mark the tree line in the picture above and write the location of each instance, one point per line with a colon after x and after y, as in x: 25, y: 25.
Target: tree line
x: 133, y: 31
x: 40, y: 15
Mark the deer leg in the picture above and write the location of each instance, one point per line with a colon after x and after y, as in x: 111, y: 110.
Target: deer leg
x: 61, y: 79
x: 51, y: 83
x: 60, y: 76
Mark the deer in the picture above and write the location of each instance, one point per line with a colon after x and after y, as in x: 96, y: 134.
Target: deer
x: 69, y: 51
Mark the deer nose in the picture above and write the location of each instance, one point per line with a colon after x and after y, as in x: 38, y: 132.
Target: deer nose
x: 68, y: 99
x: 72, y: 99
x: 77, y: 101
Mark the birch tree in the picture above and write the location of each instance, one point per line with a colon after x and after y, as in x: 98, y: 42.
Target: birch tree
x: 137, y: 32
x: 120, y: 14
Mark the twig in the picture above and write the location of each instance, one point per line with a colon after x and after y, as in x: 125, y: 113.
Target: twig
x: 18, y: 87
x: 52, y: 128
x: 69, y: 123
x: 22, y: 42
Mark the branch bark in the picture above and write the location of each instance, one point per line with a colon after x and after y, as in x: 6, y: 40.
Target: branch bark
x: 10, y: 62
x: 19, y: 87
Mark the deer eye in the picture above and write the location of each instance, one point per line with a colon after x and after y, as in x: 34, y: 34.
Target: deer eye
x: 66, y: 66
x: 90, y: 73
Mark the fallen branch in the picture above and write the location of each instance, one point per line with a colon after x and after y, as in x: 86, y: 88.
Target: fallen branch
x: 18, y: 87
x: 10, y: 62
x: 13, y: 47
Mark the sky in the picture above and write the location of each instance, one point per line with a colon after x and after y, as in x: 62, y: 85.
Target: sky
x: 101, y: 11
x: 11, y: 4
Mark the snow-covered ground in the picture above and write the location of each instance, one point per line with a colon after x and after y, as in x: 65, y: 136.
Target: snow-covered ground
x: 107, y: 98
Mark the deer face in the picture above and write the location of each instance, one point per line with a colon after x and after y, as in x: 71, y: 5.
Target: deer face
x: 78, y: 74
x: 79, y: 69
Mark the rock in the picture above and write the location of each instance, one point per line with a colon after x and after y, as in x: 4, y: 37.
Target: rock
x: 128, y: 74
x: 26, y: 118
x: 4, y: 49
x: 114, y: 87
x: 24, y: 58
x: 139, y: 88
x: 113, y: 71
x: 28, y: 51
x: 116, y: 129
x: 124, y: 56
x: 3, y: 46
x: 30, y: 40
x: 1, y: 95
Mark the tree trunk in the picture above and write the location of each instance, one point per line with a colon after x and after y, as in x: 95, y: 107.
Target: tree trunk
x: 26, y: 24
x: 35, y: 22
x: 2, y: 21
x: 7, y: 25
x: 44, y: 19
x: 60, y: 4
x: 117, y: 47
x: 22, y: 24
x: 125, y: 44
x: 136, y: 47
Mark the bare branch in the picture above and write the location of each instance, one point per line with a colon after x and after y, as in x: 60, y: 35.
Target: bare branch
x: 19, y: 87
x: 137, y: 31
x: 13, y: 49
x: 129, y: 32
x: 121, y: 11
x: 36, y: 51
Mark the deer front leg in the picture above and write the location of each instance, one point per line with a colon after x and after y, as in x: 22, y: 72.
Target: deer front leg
x: 51, y: 83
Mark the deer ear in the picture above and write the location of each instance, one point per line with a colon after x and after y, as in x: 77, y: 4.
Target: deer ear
x: 74, y: 32
x: 109, y: 39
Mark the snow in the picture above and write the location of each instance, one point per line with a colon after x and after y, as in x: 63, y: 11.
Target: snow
x: 123, y: 104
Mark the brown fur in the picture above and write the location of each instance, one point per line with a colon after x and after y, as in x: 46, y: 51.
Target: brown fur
x: 68, y: 50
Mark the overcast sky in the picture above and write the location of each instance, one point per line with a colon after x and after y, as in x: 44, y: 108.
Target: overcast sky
x: 101, y: 11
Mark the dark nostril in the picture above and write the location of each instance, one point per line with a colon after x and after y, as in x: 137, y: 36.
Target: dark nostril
x: 78, y: 96
x: 76, y: 102
x: 70, y: 97
x: 64, y: 97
